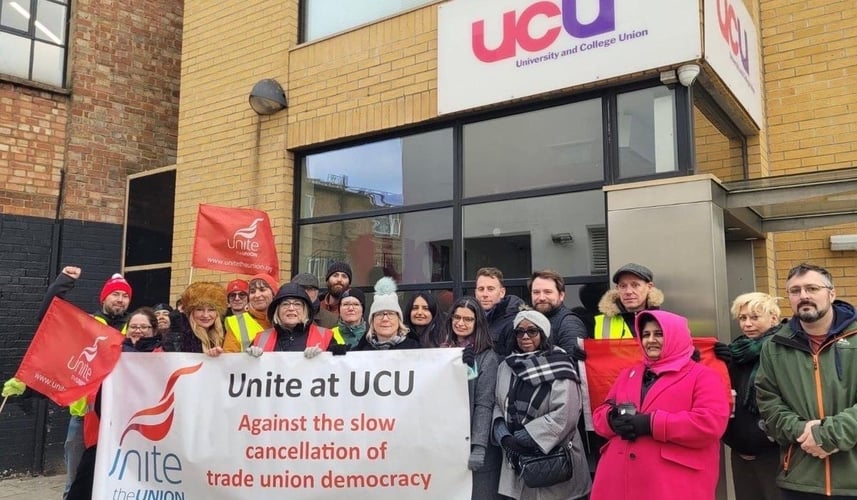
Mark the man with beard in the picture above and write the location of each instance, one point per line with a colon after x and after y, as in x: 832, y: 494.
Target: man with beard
x: 338, y: 279
x: 115, y: 297
x: 807, y: 387
x: 500, y: 309
x: 547, y: 293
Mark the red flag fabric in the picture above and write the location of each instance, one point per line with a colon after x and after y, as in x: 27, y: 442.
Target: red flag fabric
x: 606, y: 358
x: 236, y: 240
x: 70, y: 355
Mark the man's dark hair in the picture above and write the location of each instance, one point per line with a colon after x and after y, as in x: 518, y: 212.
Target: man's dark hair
x: 490, y: 272
x: 803, y: 268
x: 547, y: 274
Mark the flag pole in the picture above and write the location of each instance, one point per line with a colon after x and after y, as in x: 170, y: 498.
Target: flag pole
x: 190, y: 276
x: 3, y: 404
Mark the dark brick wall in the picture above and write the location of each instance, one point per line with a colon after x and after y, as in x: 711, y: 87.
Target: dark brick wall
x: 26, y: 247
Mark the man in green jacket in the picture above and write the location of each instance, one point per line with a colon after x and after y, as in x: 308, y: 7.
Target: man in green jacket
x: 807, y: 390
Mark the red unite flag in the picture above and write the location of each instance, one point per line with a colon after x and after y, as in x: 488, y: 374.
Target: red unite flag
x: 606, y: 358
x: 236, y: 240
x: 70, y: 355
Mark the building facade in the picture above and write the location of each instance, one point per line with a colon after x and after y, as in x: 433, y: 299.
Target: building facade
x: 425, y: 139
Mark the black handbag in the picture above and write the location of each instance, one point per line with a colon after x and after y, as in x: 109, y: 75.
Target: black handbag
x: 539, y: 471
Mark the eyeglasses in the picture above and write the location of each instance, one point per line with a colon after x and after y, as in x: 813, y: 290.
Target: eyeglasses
x: 386, y: 314
x: 809, y: 289
x: 529, y: 332
x: 463, y: 319
x: 350, y: 304
x: 139, y: 328
x: 233, y: 296
x: 292, y: 304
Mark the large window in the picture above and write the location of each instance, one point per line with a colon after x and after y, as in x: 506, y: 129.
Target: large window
x: 325, y: 17
x: 520, y: 191
x: 33, y: 39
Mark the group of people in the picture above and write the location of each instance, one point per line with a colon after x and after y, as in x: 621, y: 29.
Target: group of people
x: 792, y: 425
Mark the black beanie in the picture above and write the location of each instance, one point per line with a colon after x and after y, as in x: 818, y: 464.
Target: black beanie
x: 338, y: 267
x: 357, y: 294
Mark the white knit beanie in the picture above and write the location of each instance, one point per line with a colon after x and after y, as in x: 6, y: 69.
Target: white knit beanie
x: 385, y: 298
x: 535, y: 318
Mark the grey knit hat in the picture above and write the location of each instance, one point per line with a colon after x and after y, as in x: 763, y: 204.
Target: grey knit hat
x: 385, y: 298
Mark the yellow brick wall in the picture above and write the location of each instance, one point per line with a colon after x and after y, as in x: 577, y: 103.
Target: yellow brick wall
x: 809, y: 51
x: 374, y: 78
x: 227, y: 154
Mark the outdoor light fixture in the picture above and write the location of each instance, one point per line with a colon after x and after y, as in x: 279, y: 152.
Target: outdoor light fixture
x: 267, y: 97
x: 562, y: 238
x: 687, y: 74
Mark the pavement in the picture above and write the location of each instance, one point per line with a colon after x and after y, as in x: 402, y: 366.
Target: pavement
x: 32, y: 488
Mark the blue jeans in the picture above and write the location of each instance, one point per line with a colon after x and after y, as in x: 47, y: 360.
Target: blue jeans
x: 73, y: 450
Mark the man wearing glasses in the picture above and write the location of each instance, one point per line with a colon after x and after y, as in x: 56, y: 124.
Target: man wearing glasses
x: 807, y: 389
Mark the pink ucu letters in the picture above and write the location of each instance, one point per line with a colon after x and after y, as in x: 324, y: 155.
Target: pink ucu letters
x: 516, y: 28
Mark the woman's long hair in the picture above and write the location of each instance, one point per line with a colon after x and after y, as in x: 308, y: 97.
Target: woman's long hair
x: 211, y: 337
x: 481, y: 335
x: 429, y: 335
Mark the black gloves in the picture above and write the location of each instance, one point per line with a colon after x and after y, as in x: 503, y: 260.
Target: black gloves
x: 695, y: 355
x: 577, y: 353
x: 630, y: 427
x: 524, y: 439
x: 337, y: 349
x: 723, y: 352
x: 509, y: 443
x: 467, y: 356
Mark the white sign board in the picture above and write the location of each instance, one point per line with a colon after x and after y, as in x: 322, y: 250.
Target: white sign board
x: 494, y: 50
x: 732, y: 51
x: 381, y: 425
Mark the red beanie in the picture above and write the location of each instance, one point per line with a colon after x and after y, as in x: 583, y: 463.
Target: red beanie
x: 116, y: 282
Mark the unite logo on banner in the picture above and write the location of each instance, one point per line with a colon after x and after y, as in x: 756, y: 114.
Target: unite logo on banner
x: 80, y: 364
x: 149, y: 471
x: 237, y: 240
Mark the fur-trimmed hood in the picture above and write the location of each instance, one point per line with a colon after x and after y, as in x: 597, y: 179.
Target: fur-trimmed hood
x: 609, y: 304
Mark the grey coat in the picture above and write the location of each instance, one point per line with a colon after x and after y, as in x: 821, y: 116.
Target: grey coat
x: 556, y: 423
x: 481, y: 391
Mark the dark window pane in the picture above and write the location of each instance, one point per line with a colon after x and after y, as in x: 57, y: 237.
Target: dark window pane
x: 403, y: 171
x: 412, y: 248
x: 521, y: 235
x: 149, y: 233
x: 554, y: 146
x: 647, y: 141
x: 150, y: 287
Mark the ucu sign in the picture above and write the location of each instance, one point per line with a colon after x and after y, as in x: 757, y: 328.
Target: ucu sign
x: 730, y: 29
x: 516, y: 28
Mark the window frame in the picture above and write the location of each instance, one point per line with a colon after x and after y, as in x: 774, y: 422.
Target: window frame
x: 685, y: 154
x: 31, y: 35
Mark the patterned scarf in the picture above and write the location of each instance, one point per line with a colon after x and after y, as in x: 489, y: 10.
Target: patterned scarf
x: 532, y: 376
x: 352, y: 334
x: 385, y: 344
x: 746, y: 351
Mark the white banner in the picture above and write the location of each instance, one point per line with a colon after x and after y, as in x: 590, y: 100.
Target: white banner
x: 495, y: 50
x: 381, y: 425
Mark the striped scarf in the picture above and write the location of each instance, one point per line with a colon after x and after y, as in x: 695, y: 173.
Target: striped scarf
x: 532, y: 376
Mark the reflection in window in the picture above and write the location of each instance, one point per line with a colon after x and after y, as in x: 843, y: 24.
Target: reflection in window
x: 33, y: 39
x: 646, y: 128
x: 325, y: 17
x: 412, y: 247
x: 555, y: 146
x: 521, y: 235
x: 391, y: 173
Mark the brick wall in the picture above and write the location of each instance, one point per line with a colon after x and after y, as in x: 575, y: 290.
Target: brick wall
x: 118, y: 116
x: 808, y: 50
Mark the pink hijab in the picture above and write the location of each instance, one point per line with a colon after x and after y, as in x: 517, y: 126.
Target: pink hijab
x: 678, y: 345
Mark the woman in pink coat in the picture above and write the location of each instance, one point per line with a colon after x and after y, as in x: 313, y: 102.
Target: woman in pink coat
x: 663, y: 419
